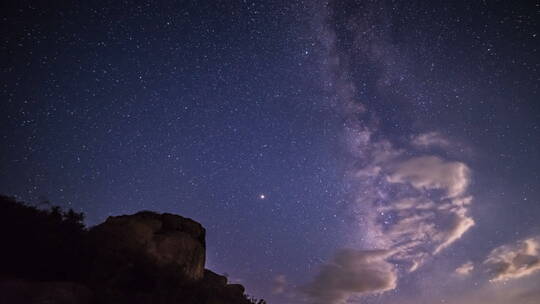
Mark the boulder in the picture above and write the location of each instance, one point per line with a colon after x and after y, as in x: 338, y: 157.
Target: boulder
x: 167, y: 245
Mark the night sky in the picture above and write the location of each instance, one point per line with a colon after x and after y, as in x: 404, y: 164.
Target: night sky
x: 336, y: 152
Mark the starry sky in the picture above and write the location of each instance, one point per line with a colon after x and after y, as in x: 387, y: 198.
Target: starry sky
x: 336, y: 151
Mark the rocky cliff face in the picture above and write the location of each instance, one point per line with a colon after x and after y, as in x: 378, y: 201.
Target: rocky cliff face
x: 165, y: 241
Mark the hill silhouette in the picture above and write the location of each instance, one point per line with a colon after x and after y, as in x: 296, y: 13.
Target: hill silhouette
x: 49, y: 256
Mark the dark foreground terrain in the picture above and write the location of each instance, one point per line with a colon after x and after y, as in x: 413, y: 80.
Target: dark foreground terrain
x: 48, y: 256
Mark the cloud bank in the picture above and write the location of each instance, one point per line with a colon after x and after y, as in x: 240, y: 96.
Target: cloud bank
x: 414, y: 206
x: 352, y: 272
x: 514, y: 261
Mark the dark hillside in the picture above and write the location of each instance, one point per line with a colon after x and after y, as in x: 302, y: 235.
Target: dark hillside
x: 50, y: 257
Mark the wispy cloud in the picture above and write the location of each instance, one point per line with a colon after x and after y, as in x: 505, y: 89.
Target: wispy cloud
x: 430, y: 139
x: 514, y: 261
x: 432, y: 172
x: 465, y: 269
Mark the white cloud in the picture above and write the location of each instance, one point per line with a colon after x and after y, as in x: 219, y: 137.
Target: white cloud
x: 416, y: 207
x: 460, y: 224
x: 514, y: 261
x: 430, y: 139
x: 352, y: 272
x: 412, y: 224
x: 416, y: 227
x: 465, y: 269
x: 432, y: 172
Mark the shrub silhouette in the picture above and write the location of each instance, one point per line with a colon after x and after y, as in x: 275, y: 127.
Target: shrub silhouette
x: 41, y: 244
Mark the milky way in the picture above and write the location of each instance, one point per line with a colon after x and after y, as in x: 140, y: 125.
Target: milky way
x: 336, y: 152
x: 409, y: 187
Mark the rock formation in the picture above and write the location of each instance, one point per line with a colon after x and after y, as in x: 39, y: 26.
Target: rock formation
x: 141, y: 258
x: 165, y: 241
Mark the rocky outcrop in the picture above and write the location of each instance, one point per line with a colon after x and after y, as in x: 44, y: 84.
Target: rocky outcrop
x: 142, y: 258
x: 162, y: 241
